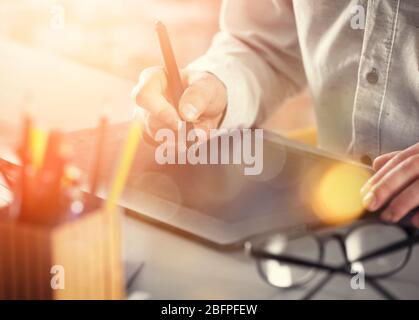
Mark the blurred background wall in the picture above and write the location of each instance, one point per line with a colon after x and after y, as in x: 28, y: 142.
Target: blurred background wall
x: 118, y: 37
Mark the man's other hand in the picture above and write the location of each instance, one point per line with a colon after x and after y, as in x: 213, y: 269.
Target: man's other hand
x: 395, y: 185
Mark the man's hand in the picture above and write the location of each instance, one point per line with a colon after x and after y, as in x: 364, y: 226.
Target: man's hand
x: 202, y: 103
x: 396, y: 184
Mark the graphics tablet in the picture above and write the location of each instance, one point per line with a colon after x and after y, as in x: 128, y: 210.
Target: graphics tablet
x: 219, y: 203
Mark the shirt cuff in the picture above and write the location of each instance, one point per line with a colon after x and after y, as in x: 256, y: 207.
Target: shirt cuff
x: 243, y: 92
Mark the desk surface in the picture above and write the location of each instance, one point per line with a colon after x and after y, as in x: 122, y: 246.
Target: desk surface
x: 176, y: 268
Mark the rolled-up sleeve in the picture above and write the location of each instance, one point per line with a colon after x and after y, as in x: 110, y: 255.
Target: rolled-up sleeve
x: 257, y: 57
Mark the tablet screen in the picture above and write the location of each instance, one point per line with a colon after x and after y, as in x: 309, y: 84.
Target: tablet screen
x: 222, y: 204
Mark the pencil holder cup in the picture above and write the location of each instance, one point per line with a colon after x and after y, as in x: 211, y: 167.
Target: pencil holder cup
x: 75, y: 259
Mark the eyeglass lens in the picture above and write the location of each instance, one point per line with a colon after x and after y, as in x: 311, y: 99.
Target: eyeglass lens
x: 285, y: 275
x: 370, y: 238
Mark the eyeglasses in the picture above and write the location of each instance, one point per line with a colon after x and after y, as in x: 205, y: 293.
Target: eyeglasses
x: 374, y: 249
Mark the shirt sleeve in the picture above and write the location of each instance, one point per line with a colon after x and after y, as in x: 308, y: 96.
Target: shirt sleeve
x: 257, y: 57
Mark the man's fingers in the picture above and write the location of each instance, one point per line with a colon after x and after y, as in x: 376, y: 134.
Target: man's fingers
x: 165, y: 113
x: 380, y: 161
x: 403, y: 203
x: 206, y: 125
x: 204, y: 97
x: 393, y: 182
x: 393, y: 162
x: 153, y: 124
x: 151, y: 83
x: 149, y: 95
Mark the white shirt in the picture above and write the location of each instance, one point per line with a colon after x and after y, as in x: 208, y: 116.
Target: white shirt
x: 363, y: 77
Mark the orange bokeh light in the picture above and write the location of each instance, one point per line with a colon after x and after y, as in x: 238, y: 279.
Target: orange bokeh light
x: 336, y: 198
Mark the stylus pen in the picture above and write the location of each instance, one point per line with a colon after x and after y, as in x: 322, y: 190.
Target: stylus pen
x: 174, y: 81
